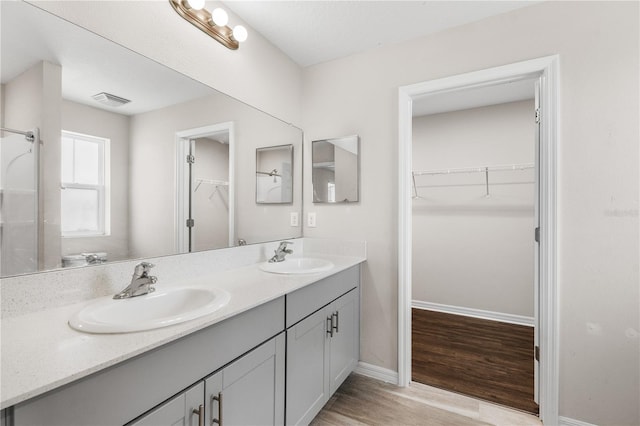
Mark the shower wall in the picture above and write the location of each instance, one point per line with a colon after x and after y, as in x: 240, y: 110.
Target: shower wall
x: 24, y: 100
x: 18, y: 202
x: 472, y: 250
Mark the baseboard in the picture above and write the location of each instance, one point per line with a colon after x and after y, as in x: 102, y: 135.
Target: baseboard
x: 474, y: 313
x: 566, y: 421
x: 375, y: 372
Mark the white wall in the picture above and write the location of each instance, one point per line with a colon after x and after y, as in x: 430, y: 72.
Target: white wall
x: 470, y: 250
x: 115, y: 127
x: 257, y: 73
x: 598, y: 44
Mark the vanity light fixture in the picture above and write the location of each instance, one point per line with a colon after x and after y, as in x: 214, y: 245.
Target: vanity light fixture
x: 212, y: 23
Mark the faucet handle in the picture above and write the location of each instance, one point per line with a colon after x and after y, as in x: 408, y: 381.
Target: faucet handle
x: 143, y: 268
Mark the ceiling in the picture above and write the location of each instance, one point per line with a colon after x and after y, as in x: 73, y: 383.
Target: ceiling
x: 91, y: 64
x: 311, y: 32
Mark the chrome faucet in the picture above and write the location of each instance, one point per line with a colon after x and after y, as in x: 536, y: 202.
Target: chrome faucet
x: 141, y: 282
x: 281, y: 252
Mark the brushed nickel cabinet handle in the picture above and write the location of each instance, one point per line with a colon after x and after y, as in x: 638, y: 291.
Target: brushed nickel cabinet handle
x: 200, y: 412
x: 219, y: 399
x: 336, y: 314
x: 330, y: 326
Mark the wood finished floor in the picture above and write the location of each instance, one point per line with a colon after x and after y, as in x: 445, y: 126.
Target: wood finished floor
x: 365, y: 401
x: 485, y: 359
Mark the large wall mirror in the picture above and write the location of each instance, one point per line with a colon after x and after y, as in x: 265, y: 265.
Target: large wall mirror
x: 168, y: 172
x: 336, y: 170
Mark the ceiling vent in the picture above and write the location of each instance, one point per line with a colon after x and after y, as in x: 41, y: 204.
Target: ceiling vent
x: 110, y: 100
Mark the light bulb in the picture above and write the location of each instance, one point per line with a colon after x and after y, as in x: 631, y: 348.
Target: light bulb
x: 240, y: 33
x: 196, y: 4
x: 219, y: 17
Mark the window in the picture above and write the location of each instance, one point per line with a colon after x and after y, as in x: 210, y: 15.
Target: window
x: 331, y: 192
x: 85, y: 176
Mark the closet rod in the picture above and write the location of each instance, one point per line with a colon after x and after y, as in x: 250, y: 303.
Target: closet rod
x: 483, y: 169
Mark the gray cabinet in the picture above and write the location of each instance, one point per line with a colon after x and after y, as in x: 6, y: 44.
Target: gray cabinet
x: 249, y: 391
x: 322, y: 350
x: 183, y: 409
x: 344, y: 344
x: 119, y: 394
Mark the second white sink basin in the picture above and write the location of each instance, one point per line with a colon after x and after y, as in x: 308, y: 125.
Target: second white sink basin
x: 154, y: 310
x: 303, y: 265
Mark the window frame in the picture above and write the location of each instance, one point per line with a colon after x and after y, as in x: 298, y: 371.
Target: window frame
x: 102, y: 187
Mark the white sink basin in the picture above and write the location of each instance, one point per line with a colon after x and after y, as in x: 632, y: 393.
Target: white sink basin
x: 303, y: 265
x: 154, y: 310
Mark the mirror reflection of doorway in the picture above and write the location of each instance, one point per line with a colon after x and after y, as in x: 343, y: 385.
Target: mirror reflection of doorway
x: 209, y: 195
x: 204, y: 211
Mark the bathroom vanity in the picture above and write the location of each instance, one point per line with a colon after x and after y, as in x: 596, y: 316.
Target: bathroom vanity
x: 229, y: 367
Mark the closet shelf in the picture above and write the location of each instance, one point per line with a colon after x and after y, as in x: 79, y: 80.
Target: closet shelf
x: 481, y: 169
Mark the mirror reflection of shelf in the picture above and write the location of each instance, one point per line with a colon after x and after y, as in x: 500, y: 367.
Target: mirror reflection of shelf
x: 215, y: 182
x: 273, y: 172
x: 328, y: 165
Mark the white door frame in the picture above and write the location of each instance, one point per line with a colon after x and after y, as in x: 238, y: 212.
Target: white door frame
x: 547, y: 69
x: 182, y: 196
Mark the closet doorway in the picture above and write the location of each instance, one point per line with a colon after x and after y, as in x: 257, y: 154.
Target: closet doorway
x: 461, y: 200
x: 474, y: 209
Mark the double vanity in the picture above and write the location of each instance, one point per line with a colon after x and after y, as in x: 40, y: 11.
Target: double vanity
x: 263, y: 343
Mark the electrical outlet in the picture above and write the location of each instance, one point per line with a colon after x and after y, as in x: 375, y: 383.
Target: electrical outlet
x: 294, y: 218
x: 311, y: 220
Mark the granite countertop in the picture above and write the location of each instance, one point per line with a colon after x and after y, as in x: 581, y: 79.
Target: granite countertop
x: 40, y: 352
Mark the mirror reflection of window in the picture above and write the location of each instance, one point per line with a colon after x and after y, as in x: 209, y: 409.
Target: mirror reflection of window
x: 84, y: 171
x: 331, y: 192
x: 335, y: 170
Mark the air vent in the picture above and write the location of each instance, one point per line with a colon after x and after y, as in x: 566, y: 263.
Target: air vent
x: 110, y: 100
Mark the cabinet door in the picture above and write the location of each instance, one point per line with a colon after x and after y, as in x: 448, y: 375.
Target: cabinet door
x: 307, y: 378
x: 345, y: 343
x: 181, y: 410
x: 249, y: 391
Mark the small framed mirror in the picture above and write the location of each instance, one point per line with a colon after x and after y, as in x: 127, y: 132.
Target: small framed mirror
x: 336, y: 170
x: 274, y: 175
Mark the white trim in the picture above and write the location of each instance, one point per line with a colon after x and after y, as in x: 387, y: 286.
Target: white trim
x: 475, y: 313
x: 547, y: 69
x: 566, y: 421
x: 375, y: 372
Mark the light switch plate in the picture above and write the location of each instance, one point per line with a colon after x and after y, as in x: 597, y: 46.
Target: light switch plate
x: 311, y: 220
x: 294, y: 218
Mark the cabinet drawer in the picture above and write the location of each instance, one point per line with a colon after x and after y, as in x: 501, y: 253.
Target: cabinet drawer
x: 303, y: 302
